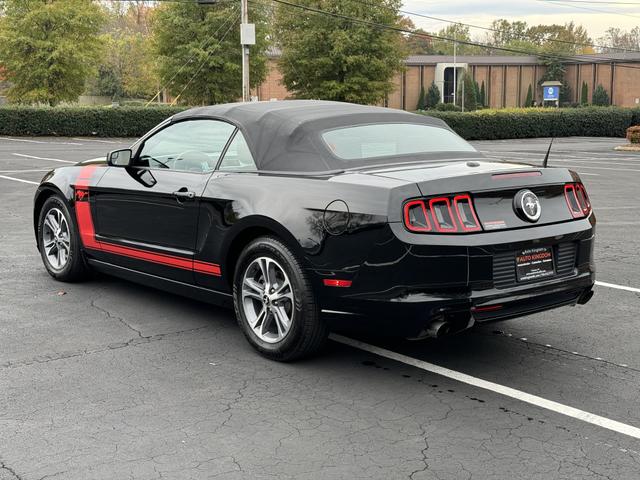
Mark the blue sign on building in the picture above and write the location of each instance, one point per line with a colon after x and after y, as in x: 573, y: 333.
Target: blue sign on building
x: 551, y: 93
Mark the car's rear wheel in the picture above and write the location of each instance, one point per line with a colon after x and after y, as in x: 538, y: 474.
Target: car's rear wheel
x: 58, y: 241
x: 275, y: 303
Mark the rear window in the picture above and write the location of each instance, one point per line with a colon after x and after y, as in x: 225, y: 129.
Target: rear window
x: 391, y: 139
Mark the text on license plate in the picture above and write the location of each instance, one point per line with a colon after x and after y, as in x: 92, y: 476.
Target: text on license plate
x: 534, y: 263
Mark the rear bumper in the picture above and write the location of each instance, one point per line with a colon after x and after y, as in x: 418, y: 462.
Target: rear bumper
x: 465, y: 283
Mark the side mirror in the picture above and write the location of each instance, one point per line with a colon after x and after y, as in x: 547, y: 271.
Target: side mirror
x: 120, y: 158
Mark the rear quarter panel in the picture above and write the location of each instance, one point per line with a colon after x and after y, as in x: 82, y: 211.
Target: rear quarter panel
x: 332, y: 224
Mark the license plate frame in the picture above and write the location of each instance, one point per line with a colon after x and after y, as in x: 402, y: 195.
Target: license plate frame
x: 534, y: 264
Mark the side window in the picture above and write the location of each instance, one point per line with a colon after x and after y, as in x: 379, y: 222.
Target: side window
x: 238, y: 156
x: 189, y: 146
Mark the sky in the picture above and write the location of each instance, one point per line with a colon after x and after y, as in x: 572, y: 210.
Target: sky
x: 482, y: 12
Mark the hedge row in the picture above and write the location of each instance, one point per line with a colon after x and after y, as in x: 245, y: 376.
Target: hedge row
x: 528, y: 123
x: 480, y: 125
x: 82, y: 121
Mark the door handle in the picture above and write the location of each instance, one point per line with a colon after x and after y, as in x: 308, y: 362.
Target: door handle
x: 184, y: 194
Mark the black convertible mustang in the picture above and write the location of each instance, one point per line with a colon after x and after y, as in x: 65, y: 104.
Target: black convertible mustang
x: 304, y: 211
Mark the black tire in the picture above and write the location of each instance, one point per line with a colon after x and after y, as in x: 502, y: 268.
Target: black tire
x: 308, y: 332
x: 75, y: 267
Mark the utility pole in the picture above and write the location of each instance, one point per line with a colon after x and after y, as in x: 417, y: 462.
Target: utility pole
x: 247, y: 37
x: 455, y: 68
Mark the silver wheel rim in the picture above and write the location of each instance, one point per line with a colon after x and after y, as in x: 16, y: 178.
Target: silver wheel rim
x: 56, y: 239
x: 267, y: 299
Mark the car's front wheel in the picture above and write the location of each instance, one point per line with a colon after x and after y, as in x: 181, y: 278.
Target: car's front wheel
x: 275, y: 303
x: 59, y: 242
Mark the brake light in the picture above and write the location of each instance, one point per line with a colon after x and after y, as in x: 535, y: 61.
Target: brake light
x: 466, y: 213
x: 416, y: 217
x: 577, y: 200
x: 442, y: 215
x: 450, y: 214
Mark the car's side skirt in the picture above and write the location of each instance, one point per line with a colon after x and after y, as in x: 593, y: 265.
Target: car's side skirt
x: 215, y: 297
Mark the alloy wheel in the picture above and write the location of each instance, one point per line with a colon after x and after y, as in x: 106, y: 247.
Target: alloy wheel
x: 56, y: 239
x: 267, y: 299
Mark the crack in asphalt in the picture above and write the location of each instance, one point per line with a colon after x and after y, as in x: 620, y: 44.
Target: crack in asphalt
x: 12, y: 472
x: 52, y: 357
x: 120, y: 319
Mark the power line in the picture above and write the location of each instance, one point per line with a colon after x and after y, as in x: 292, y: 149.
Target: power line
x: 565, y: 3
x: 206, y: 58
x: 489, y: 29
x: 598, y: 2
x: 551, y: 57
x: 205, y: 44
x: 554, y: 40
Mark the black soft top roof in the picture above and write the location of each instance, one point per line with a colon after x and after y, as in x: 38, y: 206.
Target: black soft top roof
x: 285, y: 135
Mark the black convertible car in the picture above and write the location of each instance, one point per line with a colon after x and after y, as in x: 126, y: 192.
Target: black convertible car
x: 304, y: 211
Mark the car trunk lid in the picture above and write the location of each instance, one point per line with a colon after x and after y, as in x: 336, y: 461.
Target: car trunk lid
x: 493, y: 187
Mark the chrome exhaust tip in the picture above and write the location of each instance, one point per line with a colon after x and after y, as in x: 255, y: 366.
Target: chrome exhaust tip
x: 438, y: 329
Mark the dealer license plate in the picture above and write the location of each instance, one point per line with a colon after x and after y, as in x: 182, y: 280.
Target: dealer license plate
x: 534, y: 264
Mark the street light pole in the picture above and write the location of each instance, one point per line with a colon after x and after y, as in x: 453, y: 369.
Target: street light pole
x: 244, y: 13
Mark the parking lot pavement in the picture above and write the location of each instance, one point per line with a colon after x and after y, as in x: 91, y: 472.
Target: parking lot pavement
x: 109, y: 379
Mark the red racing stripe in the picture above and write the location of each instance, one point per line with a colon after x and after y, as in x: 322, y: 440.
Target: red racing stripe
x: 89, y: 240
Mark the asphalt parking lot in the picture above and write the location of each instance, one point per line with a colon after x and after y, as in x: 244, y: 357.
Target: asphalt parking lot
x: 112, y: 380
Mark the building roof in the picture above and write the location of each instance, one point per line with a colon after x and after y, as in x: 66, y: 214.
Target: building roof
x: 473, y: 59
x: 519, y: 59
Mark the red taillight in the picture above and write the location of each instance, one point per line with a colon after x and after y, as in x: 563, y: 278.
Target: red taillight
x: 577, y: 200
x: 416, y: 217
x: 442, y: 215
x: 466, y: 213
x: 454, y: 214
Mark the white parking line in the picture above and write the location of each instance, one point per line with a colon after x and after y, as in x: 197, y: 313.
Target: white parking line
x: 19, y: 180
x: 42, y: 158
x: 618, y: 287
x: 27, y: 171
x: 37, y: 141
x: 556, y: 407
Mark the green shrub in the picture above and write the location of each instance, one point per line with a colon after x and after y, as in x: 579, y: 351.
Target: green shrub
x: 600, y: 96
x: 584, y: 95
x: 82, y: 121
x: 633, y: 134
x: 528, y: 102
x: 422, y: 100
x: 433, y: 96
x: 539, y: 122
x: 447, y: 107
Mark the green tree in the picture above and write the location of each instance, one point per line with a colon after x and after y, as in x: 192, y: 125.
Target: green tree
x: 422, y: 100
x: 333, y: 58
x: 420, y: 44
x: 482, y: 99
x: 529, y: 100
x: 556, y: 70
x: 584, y: 95
x: 616, y: 39
x: 467, y: 91
x: 476, y: 88
x: 600, y: 97
x: 198, y: 50
x: 433, y: 96
x: 457, y: 32
x: 49, y: 49
x: 567, y: 39
x: 128, y: 67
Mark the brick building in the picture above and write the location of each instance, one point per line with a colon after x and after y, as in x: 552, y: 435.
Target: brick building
x: 506, y: 78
